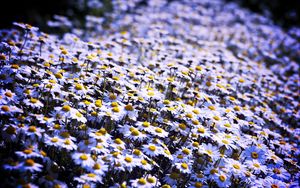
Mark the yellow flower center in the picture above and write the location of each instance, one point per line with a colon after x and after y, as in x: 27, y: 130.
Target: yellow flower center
x: 78, y: 114
x: 118, y: 141
x: 142, y: 181
x: 32, y: 129
x: 29, y: 162
x: 213, y: 171
x: 128, y: 159
x: 78, y: 87
x: 112, y: 97
x: 198, y: 184
x: 254, y: 155
x: 222, y: 178
x: 256, y: 165
x: 137, y: 152
x: 67, y: 142
x: 97, y: 166
x: 27, y: 151
x: 186, y: 151
x: 196, y: 144
x: 8, y: 94
x: 166, y: 102
x: 135, y: 132
x: 15, y: 66
x: 184, y: 166
x: 33, y: 100
x: 152, y: 148
x: 236, y: 108
x: 116, y: 109
x: 158, y: 130
x: 5, y: 108
x: 201, y: 130
x: 182, y: 126
x: 114, y: 104
x: 225, y: 142
x: 196, y: 111
x: 217, y: 118
x: 54, y: 140
x: 151, y: 180
x: 144, y: 162
x: 209, y: 152
x: 91, y: 175
x: 84, y: 157
x: 58, y: 76
x: 236, y: 166
x: 146, y: 124
x: 179, y: 156
x: 66, y: 108
x: 98, y: 103
x: 189, y: 115
x: 276, y: 171
x: 274, y: 186
x: 129, y: 107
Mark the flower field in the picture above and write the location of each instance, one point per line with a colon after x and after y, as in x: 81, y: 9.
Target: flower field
x: 164, y: 94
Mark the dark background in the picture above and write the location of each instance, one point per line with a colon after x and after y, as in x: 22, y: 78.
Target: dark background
x: 283, y: 12
x: 37, y: 12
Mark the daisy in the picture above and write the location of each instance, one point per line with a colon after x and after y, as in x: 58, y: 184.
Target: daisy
x: 145, y: 126
x: 65, y: 111
x: 201, y: 131
x: 210, y: 150
x: 86, y: 145
x: 119, y: 144
x: 10, y: 132
x: 144, y: 164
x: 271, y: 183
x: 152, y: 150
x: 256, y: 166
x: 28, y: 153
x: 222, y: 180
x: 236, y: 168
x: 183, y: 167
x: 99, y: 168
x: 254, y: 153
x: 68, y: 144
x: 30, y: 165
x: 225, y: 140
x: 9, y: 110
x: 129, y: 162
x: 280, y: 173
x: 33, y: 132
x: 199, y: 177
x: 172, y: 178
x: 135, y: 134
x: 91, y: 177
x: 34, y: 103
x: 7, y: 96
x: 141, y: 183
x: 153, y: 181
x: 83, y: 159
x: 159, y: 132
x: 131, y: 112
x: 211, y: 172
x: 53, y: 141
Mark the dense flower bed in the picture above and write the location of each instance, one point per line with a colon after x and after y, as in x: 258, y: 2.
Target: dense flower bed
x: 179, y: 94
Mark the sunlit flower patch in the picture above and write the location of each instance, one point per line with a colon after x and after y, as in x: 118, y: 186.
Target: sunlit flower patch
x: 171, y: 94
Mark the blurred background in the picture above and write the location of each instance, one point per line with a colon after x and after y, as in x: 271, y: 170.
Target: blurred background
x: 36, y: 12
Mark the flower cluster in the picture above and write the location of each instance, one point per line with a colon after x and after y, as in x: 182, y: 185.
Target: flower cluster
x: 173, y: 94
